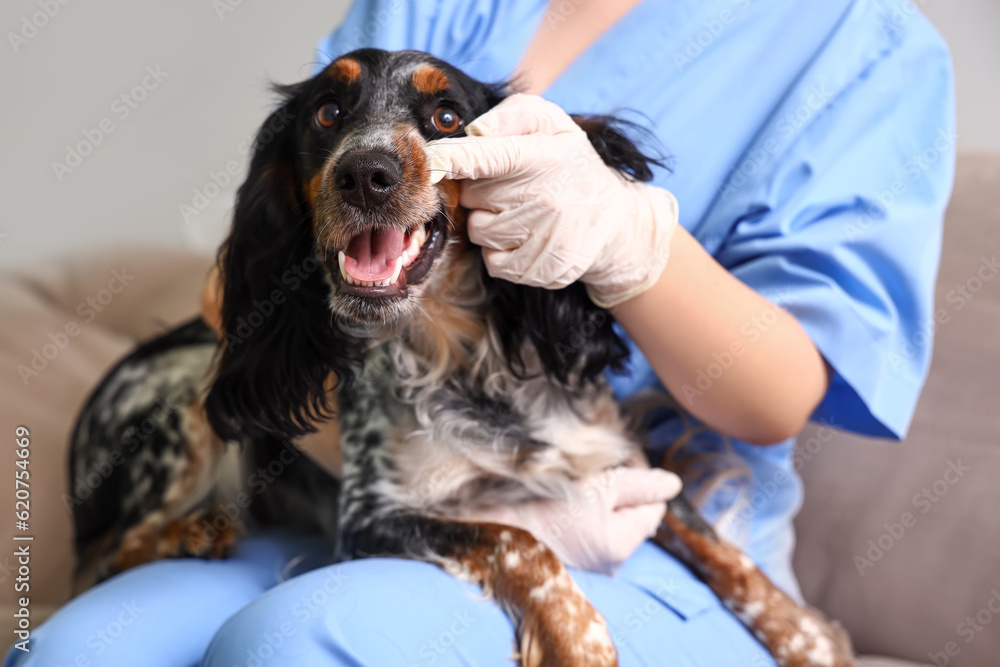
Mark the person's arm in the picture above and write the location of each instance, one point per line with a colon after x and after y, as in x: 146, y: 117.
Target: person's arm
x: 549, y: 212
x: 692, y: 325
x: 840, y: 226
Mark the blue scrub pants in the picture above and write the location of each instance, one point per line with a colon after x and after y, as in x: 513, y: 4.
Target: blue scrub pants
x: 258, y: 609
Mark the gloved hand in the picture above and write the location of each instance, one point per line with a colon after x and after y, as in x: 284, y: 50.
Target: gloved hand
x: 610, y: 515
x: 547, y: 211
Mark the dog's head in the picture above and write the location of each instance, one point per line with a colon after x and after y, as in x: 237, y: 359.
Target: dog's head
x: 338, y: 222
x: 360, y: 174
x: 377, y: 220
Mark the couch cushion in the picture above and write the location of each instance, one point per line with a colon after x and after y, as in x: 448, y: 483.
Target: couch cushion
x: 900, y: 541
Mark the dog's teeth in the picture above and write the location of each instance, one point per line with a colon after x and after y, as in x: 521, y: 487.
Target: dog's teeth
x: 401, y: 261
x: 343, y: 272
x: 395, y: 274
x: 413, y: 249
x: 417, y: 238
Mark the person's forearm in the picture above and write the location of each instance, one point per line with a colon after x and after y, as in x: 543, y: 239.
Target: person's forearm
x: 732, y: 358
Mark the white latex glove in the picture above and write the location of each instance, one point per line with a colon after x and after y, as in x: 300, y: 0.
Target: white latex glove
x: 547, y: 211
x: 612, y: 514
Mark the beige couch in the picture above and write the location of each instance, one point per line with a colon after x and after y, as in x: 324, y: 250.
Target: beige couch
x: 913, y: 596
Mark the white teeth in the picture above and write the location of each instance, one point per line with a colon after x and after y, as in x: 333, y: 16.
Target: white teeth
x: 417, y: 238
x: 369, y: 283
x: 395, y: 274
x: 343, y: 272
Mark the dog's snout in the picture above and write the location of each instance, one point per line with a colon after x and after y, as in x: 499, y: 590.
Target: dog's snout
x: 366, y: 179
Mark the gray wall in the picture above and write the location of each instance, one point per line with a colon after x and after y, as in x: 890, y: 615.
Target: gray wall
x: 972, y: 29
x: 68, y: 79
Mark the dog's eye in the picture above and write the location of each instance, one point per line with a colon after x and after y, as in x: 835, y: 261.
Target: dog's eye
x: 446, y: 119
x: 328, y: 114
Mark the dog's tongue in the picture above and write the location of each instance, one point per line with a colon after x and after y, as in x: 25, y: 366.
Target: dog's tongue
x: 371, y: 255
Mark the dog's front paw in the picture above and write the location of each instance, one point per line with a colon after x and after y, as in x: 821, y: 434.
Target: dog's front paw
x: 198, y: 535
x: 202, y: 535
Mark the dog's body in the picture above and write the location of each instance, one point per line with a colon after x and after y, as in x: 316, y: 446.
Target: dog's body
x: 454, y: 391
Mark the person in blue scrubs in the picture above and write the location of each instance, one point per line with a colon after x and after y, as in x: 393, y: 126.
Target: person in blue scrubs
x: 812, y: 151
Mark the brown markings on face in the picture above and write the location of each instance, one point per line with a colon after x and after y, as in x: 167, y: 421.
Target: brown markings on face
x: 449, y: 190
x: 558, y: 626
x: 414, y: 189
x: 347, y: 70
x: 429, y: 80
x: 312, y: 189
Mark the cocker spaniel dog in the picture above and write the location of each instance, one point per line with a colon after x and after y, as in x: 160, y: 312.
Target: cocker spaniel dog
x: 351, y: 291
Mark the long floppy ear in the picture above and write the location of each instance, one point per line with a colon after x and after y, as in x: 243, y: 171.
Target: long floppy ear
x: 280, y: 343
x: 575, y: 339
x: 609, y: 136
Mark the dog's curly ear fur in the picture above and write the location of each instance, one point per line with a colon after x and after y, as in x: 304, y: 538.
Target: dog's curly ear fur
x: 280, y: 343
x: 574, y: 338
x: 609, y: 136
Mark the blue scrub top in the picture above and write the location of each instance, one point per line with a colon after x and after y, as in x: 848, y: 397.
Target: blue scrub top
x: 812, y: 152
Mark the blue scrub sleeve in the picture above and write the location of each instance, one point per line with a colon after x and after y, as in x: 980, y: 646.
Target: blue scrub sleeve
x: 456, y: 32
x: 841, y: 220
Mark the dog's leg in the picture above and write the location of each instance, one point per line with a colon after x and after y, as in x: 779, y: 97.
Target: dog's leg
x: 189, y: 520
x: 556, y: 625
x: 193, y: 535
x: 796, y: 636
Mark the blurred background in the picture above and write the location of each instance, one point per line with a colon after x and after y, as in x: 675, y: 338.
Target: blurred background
x: 213, y: 59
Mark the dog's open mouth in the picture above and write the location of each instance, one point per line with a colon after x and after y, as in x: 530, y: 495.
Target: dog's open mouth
x: 382, y: 261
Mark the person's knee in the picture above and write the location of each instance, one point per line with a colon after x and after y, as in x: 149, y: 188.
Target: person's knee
x: 374, y: 611
x: 160, y: 614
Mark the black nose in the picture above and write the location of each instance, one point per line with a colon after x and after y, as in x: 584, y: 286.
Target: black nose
x: 366, y: 179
